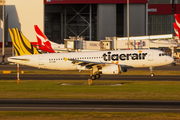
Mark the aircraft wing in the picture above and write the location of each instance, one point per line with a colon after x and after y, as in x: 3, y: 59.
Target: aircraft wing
x: 90, y: 64
x: 87, y: 64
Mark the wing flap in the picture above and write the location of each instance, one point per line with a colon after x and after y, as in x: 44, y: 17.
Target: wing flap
x: 87, y: 64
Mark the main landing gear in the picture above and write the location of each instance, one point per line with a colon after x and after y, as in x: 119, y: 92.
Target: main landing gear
x: 94, y: 77
x: 94, y: 74
x: 151, y: 69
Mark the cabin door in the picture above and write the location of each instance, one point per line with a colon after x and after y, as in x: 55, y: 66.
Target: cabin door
x: 41, y: 59
x: 150, y: 56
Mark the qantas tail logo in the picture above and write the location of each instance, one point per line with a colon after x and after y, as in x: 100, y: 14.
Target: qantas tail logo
x: 43, y: 41
x: 177, y: 18
x: 176, y: 29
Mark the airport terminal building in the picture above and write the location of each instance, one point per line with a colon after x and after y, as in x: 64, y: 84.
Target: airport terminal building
x: 92, y: 19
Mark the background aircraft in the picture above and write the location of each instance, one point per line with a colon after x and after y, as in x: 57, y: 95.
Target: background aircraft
x: 45, y: 44
x: 98, y: 62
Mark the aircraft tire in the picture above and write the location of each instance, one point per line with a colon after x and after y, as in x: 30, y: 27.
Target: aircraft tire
x: 152, y: 74
x: 98, y: 76
x: 93, y: 77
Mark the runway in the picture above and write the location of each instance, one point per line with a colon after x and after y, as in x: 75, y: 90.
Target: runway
x: 24, y: 68
x: 89, y: 105
x: 86, y: 77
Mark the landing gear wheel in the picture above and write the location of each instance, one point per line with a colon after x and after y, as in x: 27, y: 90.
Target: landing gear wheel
x: 93, y: 77
x: 98, y: 76
x: 152, y: 74
x: 151, y: 69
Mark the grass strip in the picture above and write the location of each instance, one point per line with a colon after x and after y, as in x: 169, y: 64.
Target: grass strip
x: 87, y: 116
x: 145, y: 90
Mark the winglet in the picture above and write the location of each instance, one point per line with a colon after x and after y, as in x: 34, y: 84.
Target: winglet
x: 65, y: 59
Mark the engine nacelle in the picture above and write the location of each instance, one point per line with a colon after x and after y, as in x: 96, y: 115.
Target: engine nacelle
x: 124, y: 69
x: 111, y: 69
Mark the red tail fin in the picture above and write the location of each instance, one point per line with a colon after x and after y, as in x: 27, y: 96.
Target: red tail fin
x: 177, y: 18
x: 43, y: 41
x: 176, y: 29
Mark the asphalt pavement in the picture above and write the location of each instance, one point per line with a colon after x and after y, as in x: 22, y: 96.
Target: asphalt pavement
x: 89, y: 105
x: 86, y: 77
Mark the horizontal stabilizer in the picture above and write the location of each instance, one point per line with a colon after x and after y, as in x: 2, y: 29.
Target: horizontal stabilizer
x: 22, y: 59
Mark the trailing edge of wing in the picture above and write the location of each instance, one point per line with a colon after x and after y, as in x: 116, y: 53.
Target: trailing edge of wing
x: 83, y: 61
x: 87, y: 64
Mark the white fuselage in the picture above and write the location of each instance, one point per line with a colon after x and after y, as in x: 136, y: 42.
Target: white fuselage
x: 124, y: 58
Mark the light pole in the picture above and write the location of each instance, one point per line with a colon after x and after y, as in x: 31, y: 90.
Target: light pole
x: 3, y: 55
x: 128, y: 23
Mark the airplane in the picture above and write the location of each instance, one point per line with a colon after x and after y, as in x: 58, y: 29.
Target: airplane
x: 98, y: 62
x: 45, y: 44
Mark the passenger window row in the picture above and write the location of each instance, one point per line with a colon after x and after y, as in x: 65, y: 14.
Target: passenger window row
x: 78, y: 58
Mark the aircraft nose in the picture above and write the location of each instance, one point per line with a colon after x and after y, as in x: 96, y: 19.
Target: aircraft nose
x: 171, y: 59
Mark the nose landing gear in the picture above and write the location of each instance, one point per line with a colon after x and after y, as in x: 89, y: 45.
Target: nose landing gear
x: 151, y: 69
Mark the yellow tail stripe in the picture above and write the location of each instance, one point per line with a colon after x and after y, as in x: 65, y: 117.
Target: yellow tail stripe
x: 21, y: 44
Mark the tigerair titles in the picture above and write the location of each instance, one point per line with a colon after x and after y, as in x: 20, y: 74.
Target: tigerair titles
x: 116, y: 57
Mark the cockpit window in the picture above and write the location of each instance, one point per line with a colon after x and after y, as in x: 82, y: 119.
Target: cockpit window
x: 162, y: 54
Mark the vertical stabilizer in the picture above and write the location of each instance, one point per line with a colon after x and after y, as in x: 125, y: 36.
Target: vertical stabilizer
x: 22, y: 46
x: 43, y: 42
x: 176, y: 29
x: 177, y: 19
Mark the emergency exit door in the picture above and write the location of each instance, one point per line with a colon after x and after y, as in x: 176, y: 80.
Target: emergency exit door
x: 150, y: 56
x: 41, y: 60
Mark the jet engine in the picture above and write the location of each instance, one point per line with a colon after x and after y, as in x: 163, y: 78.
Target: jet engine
x: 124, y: 69
x: 111, y: 69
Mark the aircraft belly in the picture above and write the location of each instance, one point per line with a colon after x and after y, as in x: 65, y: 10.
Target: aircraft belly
x: 56, y: 65
x: 136, y: 63
x: 31, y: 63
x: 67, y: 66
